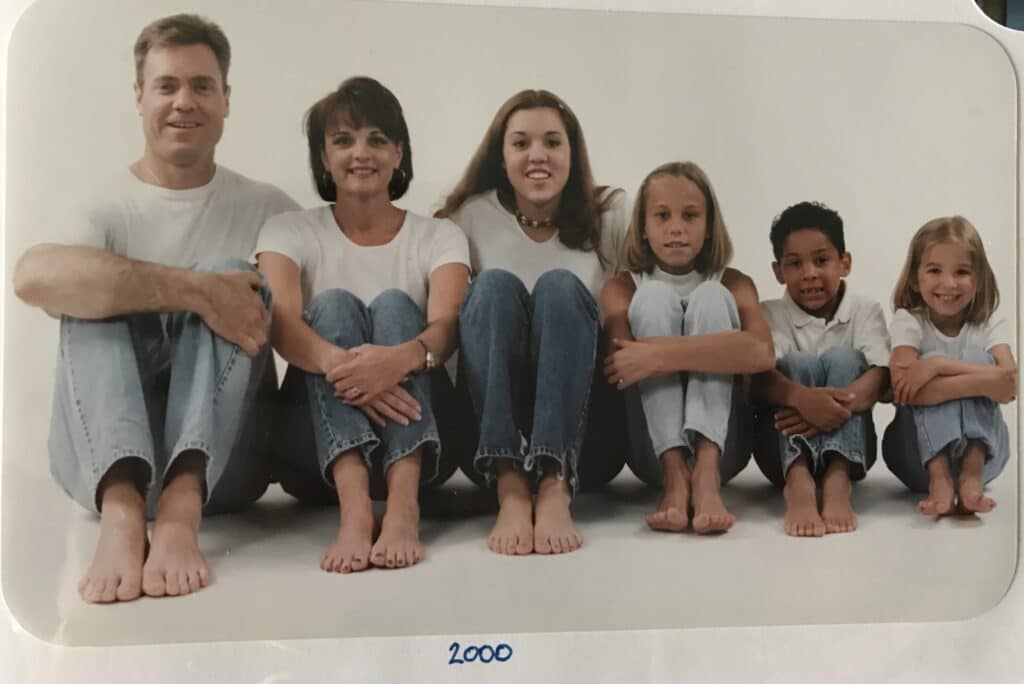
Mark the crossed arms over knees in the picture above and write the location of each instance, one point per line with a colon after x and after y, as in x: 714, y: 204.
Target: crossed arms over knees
x: 90, y: 283
x: 926, y: 382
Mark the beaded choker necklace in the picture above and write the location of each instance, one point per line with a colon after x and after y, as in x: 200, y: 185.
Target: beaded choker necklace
x: 527, y: 222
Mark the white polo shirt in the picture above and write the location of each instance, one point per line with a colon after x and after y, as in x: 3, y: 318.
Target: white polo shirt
x: 858, y: 323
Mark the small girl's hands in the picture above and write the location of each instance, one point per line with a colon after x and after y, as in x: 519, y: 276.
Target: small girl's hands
x: 1003, y: 387
x: 630, y: 363
x: 914, y: 376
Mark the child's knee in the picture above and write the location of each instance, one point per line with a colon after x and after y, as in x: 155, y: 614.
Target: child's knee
x: 800, y: 366
x: 843, y: 365
x: 654, y: 303
x: 977, y: 355
x: 711, y: 308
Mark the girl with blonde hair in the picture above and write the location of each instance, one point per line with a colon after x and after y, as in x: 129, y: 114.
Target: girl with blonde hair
x: 683, y: 325
x: 951, y: 367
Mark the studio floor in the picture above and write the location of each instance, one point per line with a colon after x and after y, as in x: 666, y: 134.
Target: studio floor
x: 898, y: 566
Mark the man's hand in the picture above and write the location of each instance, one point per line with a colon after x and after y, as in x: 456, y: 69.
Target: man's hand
x: 230, y: 306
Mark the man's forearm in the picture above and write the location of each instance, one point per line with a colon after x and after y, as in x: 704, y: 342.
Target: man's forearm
x: 91, y: 283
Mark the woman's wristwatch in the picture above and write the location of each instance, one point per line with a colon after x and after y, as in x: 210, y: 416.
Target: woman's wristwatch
x: 429, y: 362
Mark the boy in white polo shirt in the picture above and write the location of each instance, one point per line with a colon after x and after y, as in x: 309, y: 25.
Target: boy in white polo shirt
x: 832, y: 352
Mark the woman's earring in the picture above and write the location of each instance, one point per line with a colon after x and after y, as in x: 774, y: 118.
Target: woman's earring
x: 400, y: 172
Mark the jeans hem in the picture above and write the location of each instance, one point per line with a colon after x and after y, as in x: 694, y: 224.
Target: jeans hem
x: 192, y: 445
x: 398, y: 454
x: 366, y: 443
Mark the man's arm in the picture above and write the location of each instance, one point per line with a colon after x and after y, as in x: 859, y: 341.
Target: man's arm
x: 89, y: 283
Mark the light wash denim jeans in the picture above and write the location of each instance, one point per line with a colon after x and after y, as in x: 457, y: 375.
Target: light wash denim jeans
x: 679, y: 407
x: 527, y: 361
x: 918, y: 433
x: 315, y: 426
x: 855, y: 440
x: 146, y: 388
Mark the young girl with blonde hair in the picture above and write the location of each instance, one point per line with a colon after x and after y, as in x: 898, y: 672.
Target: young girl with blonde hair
x: 683, y: 325
x: 951, y: 366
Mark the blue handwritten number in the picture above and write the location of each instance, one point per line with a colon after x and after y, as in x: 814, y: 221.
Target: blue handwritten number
x: 485, y: 653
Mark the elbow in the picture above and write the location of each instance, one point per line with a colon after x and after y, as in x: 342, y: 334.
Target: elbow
x: 29, y: 281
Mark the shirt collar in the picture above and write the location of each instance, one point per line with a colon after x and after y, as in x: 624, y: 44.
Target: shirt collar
x: 800, y: 318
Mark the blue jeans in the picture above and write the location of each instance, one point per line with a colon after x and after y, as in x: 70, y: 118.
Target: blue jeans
x: 918, y: 433
x: 675, y: 409
x: 527, y: 361
x: 315, y: 427
x: 855, y: 440
x: 148, y: 389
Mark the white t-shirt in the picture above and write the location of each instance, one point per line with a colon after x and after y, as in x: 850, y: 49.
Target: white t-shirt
x: 858, y: 323
x: 327, y: 259
x: 915, y: 330
x: 684, y: 284
x: 496, y: 240
x: 178, y: 227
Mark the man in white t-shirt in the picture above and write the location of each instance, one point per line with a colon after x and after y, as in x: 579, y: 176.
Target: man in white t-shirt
x: 164, y: 360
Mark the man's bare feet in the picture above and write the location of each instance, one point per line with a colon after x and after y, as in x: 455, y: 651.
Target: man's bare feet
x: 398, y: 545
x: 836, y: 490
x: 673, y: 510
x: 554, y: 530
x: 512, y: 533
x: 801, y: 495
x: 940, y: 488
x: 116, y: 570
x: 175, y: 565
x: 970, y: 488
x: 709, y: 512
x: 350, y: 551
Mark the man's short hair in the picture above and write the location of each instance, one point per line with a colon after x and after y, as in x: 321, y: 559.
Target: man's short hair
x: 183, y: 29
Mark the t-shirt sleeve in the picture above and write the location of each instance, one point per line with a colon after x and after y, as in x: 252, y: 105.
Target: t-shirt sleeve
x: 906, y: 330
x: 871, y: 337
x: 448, y: 245
x: 997, y: 331
x: 282, y: 234
x: 97, y: 226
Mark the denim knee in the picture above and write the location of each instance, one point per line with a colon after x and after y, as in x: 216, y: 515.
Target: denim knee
x: 801, y: 366
x: 654, y: 305
x: 396, y: 317
x: 710, y: 308
x: 843, y: 365
x: 977, y: 355
x: 492, y: 289
x: 558, y: 288
x: 221, y: 264
x: 332, y: 312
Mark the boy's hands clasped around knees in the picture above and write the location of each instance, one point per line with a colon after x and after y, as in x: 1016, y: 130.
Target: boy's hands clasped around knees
x: 230, y: 306
x: 815, y: 410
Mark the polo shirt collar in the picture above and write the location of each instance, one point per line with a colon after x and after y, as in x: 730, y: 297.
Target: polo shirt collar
x: 800, y: 318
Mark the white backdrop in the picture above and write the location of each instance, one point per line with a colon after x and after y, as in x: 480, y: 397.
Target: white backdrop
x: 889, y: 123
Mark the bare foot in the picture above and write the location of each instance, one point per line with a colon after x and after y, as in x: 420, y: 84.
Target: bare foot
x: 350, y: 551
x: 673, y: 510
x: 940, y: 488
x: 399, y: 543
x: 554, y: 531
x: 970, y: 488
x: 175, y: 566
x: 512, y: 533
x: 836, y: 489
x: 116, y: 570
x: 801, y: 495
x: 709, y: 512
